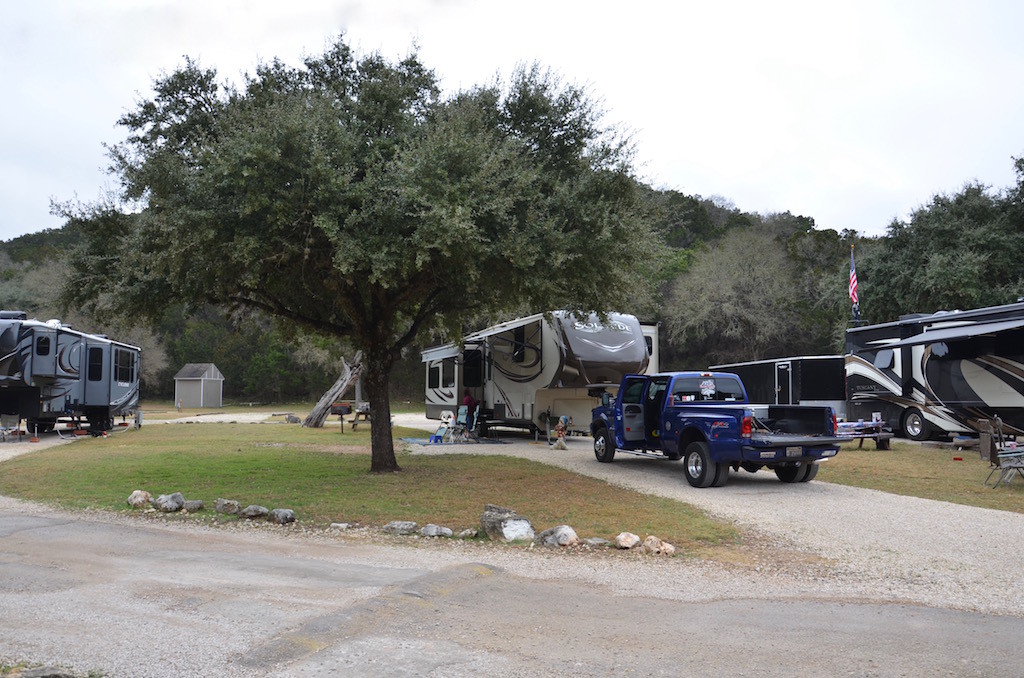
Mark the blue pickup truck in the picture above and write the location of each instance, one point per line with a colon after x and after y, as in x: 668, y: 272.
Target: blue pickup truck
x: 705, y: 418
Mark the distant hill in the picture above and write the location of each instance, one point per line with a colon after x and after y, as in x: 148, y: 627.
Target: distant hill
x: 47, y: 245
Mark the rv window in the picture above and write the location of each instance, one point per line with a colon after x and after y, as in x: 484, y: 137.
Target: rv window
x: 473, y: 368
x: 124, y: 366
x: 650, y: 344
x: 95, y: 364
x: 434, y: 375
x: 519, y: 344
x: 883, y: 360
x: 448, y: 373
x: 43, y: 346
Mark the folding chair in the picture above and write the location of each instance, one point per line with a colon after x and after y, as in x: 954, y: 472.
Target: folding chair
x: 459, y: 430
x: 1005, y: 460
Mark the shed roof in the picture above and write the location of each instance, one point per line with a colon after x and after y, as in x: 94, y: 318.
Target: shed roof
x: 199, y: 371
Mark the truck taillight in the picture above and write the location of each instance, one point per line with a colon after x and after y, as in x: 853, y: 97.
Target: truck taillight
x: 747, y: 427
x: 835, y: 425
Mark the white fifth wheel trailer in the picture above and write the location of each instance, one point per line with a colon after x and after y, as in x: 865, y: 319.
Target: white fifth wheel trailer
x: 48, y: 371
x: 939, y: 373
x: 528, y: 372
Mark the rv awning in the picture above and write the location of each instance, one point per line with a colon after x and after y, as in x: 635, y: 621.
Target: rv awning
x: 439, y: 353
x: 958, y: 332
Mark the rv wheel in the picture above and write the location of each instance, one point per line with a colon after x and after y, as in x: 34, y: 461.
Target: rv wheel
x: 604, y: 446
x: 914, y: 425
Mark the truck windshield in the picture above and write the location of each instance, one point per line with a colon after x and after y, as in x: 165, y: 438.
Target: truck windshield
x: 698, y: 389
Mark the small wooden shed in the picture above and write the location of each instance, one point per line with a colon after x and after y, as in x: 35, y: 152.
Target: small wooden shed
x: 199, y: 385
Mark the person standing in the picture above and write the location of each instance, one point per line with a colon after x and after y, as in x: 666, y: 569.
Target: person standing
x: 470, y: 402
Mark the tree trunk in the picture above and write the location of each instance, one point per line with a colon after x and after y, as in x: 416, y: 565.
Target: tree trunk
x: 349, y: 374
x: 376, y: 378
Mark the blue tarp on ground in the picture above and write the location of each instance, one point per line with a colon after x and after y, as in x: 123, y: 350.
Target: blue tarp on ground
x: 479, y: 441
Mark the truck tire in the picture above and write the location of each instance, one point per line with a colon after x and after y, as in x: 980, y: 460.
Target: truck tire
x: 700, y: 470
x: 790, y: 474
x: 914, y: 425
x: 604, y: 445
x: 812, y: 470
x: 721, y: 474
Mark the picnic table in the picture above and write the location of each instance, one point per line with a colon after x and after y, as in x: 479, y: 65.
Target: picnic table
x: 859, y: 430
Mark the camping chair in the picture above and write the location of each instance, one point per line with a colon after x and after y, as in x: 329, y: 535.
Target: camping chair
x: 472, y: 431
x: 458, y: 433
x: 1006, y: 458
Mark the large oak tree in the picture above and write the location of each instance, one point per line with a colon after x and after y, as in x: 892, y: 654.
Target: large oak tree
x: 348, y: 197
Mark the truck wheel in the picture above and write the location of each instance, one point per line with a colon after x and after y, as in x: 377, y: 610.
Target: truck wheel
x: 721, y: 474
x: 700, y: 470
x: 812, y: 470
x: 604, y: 446
x: 790, y: 474
x: 914, y: 425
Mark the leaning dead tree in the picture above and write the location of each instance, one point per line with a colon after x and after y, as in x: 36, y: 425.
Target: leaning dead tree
x: 349, y: 375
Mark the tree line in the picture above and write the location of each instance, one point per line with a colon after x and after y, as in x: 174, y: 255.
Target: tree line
x: 733, y: 286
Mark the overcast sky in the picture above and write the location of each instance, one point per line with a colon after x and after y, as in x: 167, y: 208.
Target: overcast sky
x: 853, y: 113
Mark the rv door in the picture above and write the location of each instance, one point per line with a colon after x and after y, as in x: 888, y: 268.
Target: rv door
x: 97, y: 375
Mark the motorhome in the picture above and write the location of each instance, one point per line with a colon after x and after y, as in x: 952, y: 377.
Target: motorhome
x: 528, y: 372
x: 804, y: 380
x: 49, y: 370
x: 939, y: 373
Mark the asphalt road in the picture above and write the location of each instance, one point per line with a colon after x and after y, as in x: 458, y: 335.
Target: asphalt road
x: 128, y: 598
x: 125, y: 596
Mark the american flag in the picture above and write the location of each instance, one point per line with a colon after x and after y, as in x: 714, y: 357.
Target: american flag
x: 853, y: 278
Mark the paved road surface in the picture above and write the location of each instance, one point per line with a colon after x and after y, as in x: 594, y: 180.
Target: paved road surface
x: 129, y: 597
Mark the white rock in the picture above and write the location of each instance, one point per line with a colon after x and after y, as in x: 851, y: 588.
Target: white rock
x: 435, y: 531
x: 651, y: 545
x: 626, y: 540
x: 169, y: 503
x: 562, y: 535
x: 140, y: 498
x: 400, y: 527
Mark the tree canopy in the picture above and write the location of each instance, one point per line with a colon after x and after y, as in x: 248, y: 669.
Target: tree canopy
x: 348, y: 197
x: 959, y: 251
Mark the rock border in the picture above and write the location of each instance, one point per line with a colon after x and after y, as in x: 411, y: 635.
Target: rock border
x: 497, y: 523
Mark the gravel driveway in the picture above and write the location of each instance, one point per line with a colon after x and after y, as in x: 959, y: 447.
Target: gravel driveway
x: 879, y: 546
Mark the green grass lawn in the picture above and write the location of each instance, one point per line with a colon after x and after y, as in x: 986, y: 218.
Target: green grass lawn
x: 324, y: 477
x: 923, y: 471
